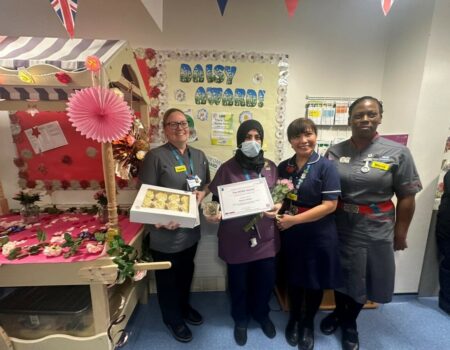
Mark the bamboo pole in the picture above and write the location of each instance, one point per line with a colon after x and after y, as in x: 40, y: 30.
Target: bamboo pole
x: 110, y: 183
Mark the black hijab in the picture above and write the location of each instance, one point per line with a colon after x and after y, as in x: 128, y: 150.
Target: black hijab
x: 255, y: 163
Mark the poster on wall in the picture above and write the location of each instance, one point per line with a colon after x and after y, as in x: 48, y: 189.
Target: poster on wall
x: 218, y: 91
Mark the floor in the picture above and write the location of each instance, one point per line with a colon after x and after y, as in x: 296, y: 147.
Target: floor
x: 408, y: 322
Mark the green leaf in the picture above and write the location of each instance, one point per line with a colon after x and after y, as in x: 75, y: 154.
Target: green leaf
x: 41, y: 235
x: 14, y: 253
x: 4, y: 240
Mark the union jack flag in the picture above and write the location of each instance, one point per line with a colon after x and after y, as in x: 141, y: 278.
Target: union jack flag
x: 66, y: 11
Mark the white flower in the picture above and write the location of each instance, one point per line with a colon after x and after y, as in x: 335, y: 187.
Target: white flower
x: 141, y: 154
x: 195, y: 55
x: 251, y: 57
x: 233, y: 56
x: 154, y: 102
x: 8, y: 248
x: 94, y: 248
x: 154, y: 121
x: 187, y: 55
x: 282, y: 90
x: 161, y: 76
x: 213, y: 55
x: 178, y: 55
x: 150, y: 62
x: 242, y: 56
x: 140, y: 53
x: 180, y: 95
x: 223, y: 56
x: 258, y: 78
x: 153, y: 81
x: 274, y: 59
x: 52, y: 250
x: 204, y: 54
x: 57, y: 240
x: 246, y: 115
x: 160, y: 56
x: 161, y: 113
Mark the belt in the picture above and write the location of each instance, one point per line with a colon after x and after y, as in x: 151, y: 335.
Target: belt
x: 294, y: 210
x: 366, y: 208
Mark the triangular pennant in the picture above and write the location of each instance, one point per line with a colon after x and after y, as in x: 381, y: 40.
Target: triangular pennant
x: 386, y: 6
x: 155, y: 9
x: 291, y: 6
x: 66, y: 11
x: 222, y: 4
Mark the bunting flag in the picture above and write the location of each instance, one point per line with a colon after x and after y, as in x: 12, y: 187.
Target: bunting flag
x: 155, y: 9
x: 291, y: 6
x: 386, y: 6
x: 66, y: 11
x: 222, y: 4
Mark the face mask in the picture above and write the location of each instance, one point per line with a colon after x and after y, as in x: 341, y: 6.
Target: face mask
x: 250, y: 148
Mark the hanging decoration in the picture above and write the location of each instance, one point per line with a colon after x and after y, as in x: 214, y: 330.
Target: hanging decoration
x: 66, y: 11
x: 25, y: 76
x: 99, y: 114
x: 222, y: 4
x: 63, y: 77
x: 155, y: 9
x: 386, y: 6
x: 93, y: 64
x: 291, y: 6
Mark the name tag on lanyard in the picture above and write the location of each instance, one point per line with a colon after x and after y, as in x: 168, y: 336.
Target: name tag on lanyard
x: 180, y: 168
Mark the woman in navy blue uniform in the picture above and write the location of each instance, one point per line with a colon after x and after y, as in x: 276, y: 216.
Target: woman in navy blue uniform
x: 309, y: 242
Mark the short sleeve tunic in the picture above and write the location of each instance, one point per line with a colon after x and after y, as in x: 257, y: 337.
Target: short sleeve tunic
x: 366, y: 240
x: 158, y: 169
x: 311, y: 249
x: 234, y: 245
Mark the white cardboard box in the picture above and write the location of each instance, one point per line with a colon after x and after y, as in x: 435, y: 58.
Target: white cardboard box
x: 160, y: 205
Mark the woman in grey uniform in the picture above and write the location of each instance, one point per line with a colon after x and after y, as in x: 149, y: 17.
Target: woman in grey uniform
x: 370, y: 227
x: 179, y: 166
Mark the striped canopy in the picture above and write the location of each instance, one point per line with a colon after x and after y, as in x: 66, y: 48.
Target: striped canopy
x: 67, y: 54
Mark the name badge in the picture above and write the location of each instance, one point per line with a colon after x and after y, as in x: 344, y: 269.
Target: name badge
x: 180, y: 168
x: 292, y: 196
x: 380, y: 165
x: 193, y: 182
x: 344, y: 160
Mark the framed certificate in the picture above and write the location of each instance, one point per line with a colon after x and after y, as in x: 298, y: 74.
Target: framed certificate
x: 244, y: 198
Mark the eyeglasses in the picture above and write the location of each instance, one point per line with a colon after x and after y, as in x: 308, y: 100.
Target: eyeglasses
x: 175, y: 125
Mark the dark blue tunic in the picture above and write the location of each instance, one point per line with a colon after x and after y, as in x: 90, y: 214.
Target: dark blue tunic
x: 311, y: 249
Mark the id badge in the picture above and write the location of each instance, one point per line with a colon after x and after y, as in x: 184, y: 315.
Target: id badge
x: 193, y: 182
x: 180, y: 168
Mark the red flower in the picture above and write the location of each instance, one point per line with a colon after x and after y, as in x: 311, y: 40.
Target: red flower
x: 31, y: 184
x: 154, y: 112
x: 122, y: 183
x: 150, y: 53
x: 23, y: 174
x: 63, y: 77
x: 65, y: 184
x: 152, y: 71
x: 84, y: 184
x: 154, y: 92
x: 19, y: 162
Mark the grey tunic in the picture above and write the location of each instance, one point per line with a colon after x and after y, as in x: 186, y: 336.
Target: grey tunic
x: 366, y: 240
x: 158, y: 169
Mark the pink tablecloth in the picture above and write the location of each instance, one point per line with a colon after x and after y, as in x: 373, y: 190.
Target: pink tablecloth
x: 56, y: 225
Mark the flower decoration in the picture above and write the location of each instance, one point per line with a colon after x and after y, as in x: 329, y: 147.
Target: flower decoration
x: 42, y: 169
x: 258, y: 78
x: 152, y: 71
x: 100, y: 197
x: 7, y: 248
x: 63, y: 77
x: 180, y: 95
x: 65, y: 184
x: 150, y: 53
x: 122, y: 183
x: 27, y: 198
x: 99, y: 114
x: 93, y: 64
x: 31, y: 184
x: 84, y: 184
x: 246, y: 115
x: 154, y: 112
x: 52, y: 250
x: 25, y: 76
x: 154, y: 92
x: 19, y: 162
x: 202, y: 114
x: 130, y: 150
x: 92, y: 248
x: 91, y: 152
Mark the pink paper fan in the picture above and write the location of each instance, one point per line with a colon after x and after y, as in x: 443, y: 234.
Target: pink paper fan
x: 99, y: 114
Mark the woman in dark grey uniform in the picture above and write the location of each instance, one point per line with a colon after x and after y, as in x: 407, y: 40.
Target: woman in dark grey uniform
x: 179, y: 166
x: 370, y: 228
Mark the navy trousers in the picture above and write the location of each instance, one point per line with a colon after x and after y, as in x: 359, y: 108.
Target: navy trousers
x: 174, y: 284
x: 444, y: 274
x: 250, y: 286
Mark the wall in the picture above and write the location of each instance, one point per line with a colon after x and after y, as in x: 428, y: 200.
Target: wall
x: 335, y: 47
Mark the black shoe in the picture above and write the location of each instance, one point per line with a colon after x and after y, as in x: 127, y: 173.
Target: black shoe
x: 329, y: 324
x: 268, y: 328
x: 180, y: 332
x: 306, y: 338
x: 193, y: 317
x: 350, y: 339
x: 291, y: 332
x: 240, y: 335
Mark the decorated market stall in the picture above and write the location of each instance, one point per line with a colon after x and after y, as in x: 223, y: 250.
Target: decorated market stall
x: 99, y: 84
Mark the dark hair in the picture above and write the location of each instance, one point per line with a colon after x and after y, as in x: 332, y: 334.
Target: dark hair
x: 300, y: 126
x: 169, y: 112
x: 245, y: 127
x: 352, y: 106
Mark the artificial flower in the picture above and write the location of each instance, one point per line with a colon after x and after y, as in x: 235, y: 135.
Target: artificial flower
x: 8, y: 247
x: 92, y: 248
x: 63, y: 77
x: 52, y: 250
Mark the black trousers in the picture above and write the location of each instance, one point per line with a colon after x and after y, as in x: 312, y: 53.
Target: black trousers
x: 444, y: 273
x: 174, y: 284
x: 250, y: 286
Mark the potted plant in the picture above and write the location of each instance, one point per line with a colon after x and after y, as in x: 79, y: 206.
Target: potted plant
x: 29, y: 211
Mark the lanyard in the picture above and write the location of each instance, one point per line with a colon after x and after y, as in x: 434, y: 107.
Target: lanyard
x: 247, y: 175
x: 302, y: 178
x: 181, y: 162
